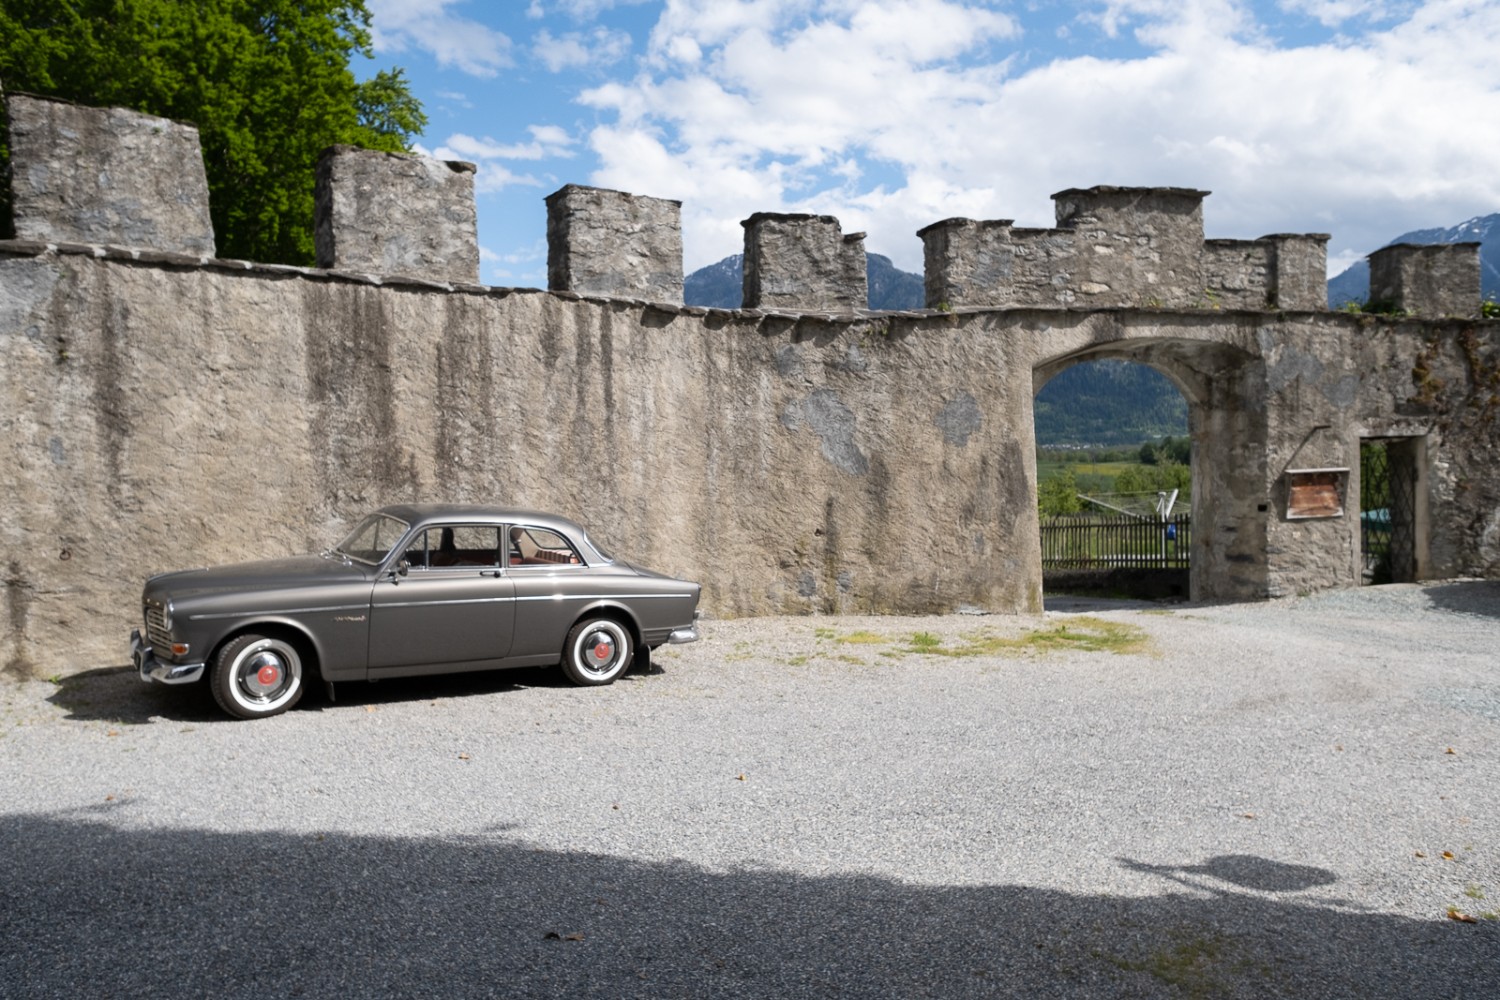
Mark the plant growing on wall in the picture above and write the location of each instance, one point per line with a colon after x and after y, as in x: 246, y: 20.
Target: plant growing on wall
x: 267, y: 82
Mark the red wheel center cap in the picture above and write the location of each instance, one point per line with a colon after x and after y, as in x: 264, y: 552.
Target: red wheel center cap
x: 601, y: 651
x: 267, y: 675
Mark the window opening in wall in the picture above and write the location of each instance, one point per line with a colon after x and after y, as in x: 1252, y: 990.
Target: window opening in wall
x: 1114, y: 482
x: 1387, y: 503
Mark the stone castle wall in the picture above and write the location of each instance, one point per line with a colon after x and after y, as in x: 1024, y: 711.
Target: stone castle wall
x: 165, y: 410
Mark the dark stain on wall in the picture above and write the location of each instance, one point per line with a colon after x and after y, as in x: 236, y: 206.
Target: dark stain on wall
x: 111, y: 415
x: 353, y: 424
x: 18, y: 610
x: 466, y: 399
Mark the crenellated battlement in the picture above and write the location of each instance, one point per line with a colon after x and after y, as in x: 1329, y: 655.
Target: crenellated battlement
x: 106, y: 176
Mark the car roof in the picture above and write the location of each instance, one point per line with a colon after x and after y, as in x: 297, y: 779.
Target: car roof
x: 422, y: 513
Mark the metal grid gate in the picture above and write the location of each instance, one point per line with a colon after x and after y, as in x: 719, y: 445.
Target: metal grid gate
x: 1387, y: 503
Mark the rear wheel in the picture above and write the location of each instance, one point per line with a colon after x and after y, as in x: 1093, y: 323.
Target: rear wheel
x: 597, y: 651
x: 255, y: 676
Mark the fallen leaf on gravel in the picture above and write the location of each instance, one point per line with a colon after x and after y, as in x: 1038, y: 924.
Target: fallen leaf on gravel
x: 1447, y: 855
x: 1454, y: 913
x: 573, y: 937
x: 113, y: 732
x: 109, y: 798
x: 369, y: 708
x: 1248, y: 815
x: 740, y: 778
x: 463, y: 756
x: 615, y: 806
x: 1339, y: 747
x: 1420, y: 854
x: 1452, y: 751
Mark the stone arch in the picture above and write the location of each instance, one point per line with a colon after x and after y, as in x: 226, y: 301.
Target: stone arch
x: 1227, y: 426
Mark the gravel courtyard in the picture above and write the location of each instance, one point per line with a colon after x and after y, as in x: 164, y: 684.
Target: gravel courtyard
x: 1295, y: 798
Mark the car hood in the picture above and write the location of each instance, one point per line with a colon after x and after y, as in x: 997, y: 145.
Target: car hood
x: 263, y: 574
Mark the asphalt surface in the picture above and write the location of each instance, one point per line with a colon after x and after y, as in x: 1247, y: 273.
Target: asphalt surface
x: 1292, y: 799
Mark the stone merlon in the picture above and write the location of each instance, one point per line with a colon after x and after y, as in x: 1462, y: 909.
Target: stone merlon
x: 614, y: 244
x: 803, y: 262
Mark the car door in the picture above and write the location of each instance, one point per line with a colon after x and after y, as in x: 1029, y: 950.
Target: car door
x: 450, y: 607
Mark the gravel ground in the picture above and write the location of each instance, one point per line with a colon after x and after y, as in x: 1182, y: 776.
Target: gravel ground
x: 1261, y: 800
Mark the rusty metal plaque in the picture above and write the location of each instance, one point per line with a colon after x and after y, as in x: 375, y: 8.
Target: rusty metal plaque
x: 1315, y: 492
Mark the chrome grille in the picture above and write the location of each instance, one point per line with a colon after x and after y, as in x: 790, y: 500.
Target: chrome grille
x: 156, y: 627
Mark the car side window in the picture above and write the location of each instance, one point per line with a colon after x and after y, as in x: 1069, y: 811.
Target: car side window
x: 533, y: 546
x: 462, y: 546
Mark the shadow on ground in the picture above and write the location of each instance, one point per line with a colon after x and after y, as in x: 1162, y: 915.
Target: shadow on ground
x: 116, y: 694
x: 87, y: 909
x: 1466, y: 597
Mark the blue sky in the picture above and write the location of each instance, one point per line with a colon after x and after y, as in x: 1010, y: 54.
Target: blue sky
x: 1359, y: 118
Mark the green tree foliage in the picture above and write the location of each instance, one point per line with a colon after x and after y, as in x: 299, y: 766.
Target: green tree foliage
x: 1058, y: 495
x: 267, y: 82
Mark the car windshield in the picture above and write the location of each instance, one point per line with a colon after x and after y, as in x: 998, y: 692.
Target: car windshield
x: 373, y: 539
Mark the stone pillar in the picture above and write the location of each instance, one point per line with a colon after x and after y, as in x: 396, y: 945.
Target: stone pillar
x: 803, y: 262
x: 1438, y: 279
x: 107, y: 176
x: 967, y: 263
x: 609, y: 243
x: 395, y: 213
x: 1137, y: 246
x: 1298, y: 281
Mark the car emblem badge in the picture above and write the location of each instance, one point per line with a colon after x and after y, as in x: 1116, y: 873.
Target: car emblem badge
x: 601, y: 651
x: 266, y: 675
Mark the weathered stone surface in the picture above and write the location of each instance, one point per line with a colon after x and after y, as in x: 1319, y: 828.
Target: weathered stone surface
x: 396, y: 214
x: 107, y: 175
x: 803, y: 262
x: 1238, y: 274
x: 1440, y: 279
x: 1135, y: 246
x: 966, y: 262
x: 1299, y: 280
x: 613, y: 244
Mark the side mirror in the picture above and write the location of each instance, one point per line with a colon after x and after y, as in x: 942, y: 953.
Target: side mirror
x: 403, y: 567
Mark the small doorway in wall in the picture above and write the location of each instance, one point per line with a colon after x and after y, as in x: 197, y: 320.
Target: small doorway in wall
x: 1388, y: 509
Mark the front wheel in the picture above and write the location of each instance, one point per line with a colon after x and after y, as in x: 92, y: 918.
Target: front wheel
x: 597, y: 651
x: 255, y: 676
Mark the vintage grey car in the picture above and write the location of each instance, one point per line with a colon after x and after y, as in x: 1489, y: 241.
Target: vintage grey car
x: 413, y: 589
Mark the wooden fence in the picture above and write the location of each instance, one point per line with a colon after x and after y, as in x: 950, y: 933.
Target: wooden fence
x: 1096, y: 541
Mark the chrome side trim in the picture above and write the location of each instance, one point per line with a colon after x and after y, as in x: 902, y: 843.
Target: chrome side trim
x: 439, y: 604
x: 600, y: 597
x: 280, y: 611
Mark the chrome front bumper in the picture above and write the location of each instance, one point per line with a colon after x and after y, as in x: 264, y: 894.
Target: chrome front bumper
x: 153, y: 670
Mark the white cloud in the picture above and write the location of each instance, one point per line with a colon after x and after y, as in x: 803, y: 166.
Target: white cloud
x: 1332, y: 13
x: 763, y: 105
x: 489, y: 156
x: 581, y: 10
x: 577, y: 50
x: 428, y: 25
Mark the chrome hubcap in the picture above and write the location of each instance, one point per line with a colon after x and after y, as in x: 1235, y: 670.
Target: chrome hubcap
x: 599, y: 651
x: 263, y: 675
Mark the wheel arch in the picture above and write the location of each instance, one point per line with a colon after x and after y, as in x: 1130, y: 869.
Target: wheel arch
x: 615, y: 611
x: 277, y: 628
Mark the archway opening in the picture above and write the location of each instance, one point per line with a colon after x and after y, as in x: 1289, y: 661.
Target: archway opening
x: 1114, y: 474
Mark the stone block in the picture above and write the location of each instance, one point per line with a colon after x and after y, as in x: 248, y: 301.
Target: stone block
x: 614, y: 244
x: 395, y: 213
x: 803, y: 262
x: 966, y: 263
x: 1136, y: 246
x: 1237, y: 273
x: 1299, y: 274
x: 107, y: 176
x: 1440, y: 279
